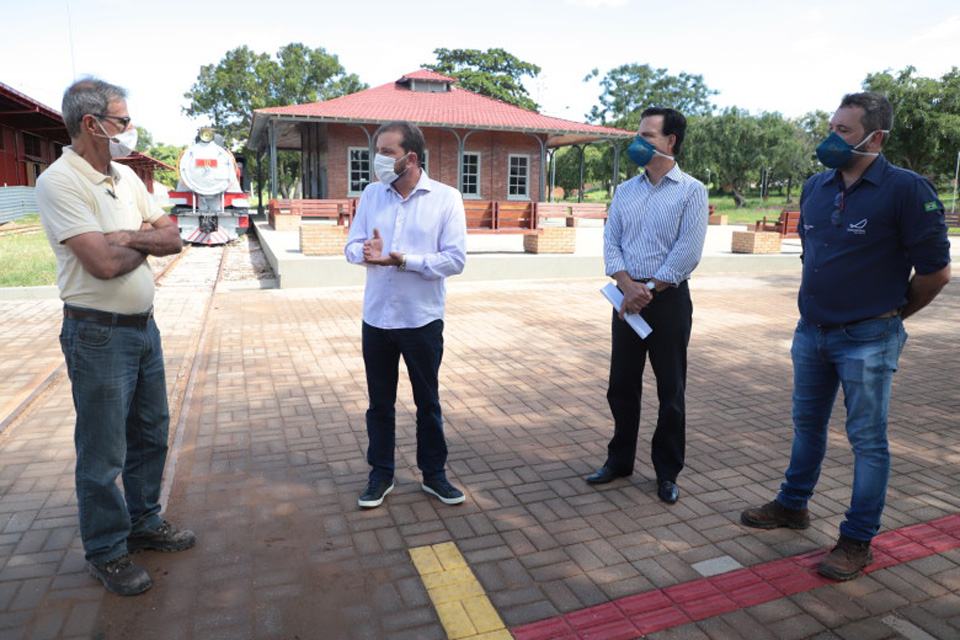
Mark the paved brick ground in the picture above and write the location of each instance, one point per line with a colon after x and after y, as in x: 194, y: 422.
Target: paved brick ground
x: 271, y: 461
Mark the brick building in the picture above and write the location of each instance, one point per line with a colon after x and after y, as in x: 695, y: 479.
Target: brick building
x: 488, y: 149
x: 32, y: 136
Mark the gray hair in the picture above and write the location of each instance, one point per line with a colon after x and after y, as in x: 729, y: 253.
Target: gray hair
x: 88, y: 95
x: 877, y: 110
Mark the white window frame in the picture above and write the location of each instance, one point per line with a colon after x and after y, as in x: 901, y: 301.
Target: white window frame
x: 479, y: 156
x: 426, y: 161
x: 526, y: 178
x: 350, y: 191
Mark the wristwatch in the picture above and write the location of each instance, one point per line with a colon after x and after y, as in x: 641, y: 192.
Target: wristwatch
x: 403, y: 264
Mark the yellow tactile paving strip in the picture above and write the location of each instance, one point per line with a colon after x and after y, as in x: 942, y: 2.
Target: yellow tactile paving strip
x: 464, y: 609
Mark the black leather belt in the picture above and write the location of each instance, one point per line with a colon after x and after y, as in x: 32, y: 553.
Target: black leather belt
x: 889, y: 314
x: 108, y: 319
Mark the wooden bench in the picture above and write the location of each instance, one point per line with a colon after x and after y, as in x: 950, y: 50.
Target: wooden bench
x: 490, y: 216
x: 786, y: 225
x: 515, y: 217
x: 481, y: 216
x: 952, y: 219
x: 588, y: 210
x: 340, y: 210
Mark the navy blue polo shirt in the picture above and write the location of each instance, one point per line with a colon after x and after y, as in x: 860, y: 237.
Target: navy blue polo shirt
x: 857, y: 263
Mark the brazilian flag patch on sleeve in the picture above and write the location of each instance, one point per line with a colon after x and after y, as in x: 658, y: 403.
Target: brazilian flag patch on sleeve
x: 931, y: 206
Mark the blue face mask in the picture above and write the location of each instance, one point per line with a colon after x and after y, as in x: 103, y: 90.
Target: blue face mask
x: 835, y: 152
x: 642, y: 152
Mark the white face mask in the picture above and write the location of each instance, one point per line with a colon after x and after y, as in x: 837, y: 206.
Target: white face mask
x: 383, y: 167
x: 121, y: 144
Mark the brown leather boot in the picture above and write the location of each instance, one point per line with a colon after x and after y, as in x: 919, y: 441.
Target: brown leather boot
x: 773, y: 515
x: 846, y: 559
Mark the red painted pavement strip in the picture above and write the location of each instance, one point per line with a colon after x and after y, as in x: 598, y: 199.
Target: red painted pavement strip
x: 681, y: 604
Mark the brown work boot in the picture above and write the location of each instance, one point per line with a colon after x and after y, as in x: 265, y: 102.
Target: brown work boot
x: 846, y: 559
x: 773, y: 515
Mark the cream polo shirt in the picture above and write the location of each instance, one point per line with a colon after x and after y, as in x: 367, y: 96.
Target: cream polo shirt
x: 74, y: 198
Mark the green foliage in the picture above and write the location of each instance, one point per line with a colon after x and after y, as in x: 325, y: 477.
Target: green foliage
x: 165, y: 153
x: 494, y: 73
x: 737, y: 149
x: 926, y: 125
x: 630, y: 88
x: 244, y: 80
x: 567, y: 175
x: 26, y: 260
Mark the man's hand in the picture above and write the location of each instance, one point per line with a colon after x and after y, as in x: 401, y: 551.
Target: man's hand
x: 373, y: 252
x: 636, y: 295
x: 373, y: 247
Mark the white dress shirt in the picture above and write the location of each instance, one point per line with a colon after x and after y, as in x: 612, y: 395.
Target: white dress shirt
x: 429, y: 228
x: 656, y: 230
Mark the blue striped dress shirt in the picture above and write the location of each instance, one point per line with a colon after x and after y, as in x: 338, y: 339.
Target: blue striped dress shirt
x: 656, y: 230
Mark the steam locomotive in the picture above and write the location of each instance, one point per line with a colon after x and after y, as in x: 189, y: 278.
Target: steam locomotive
x: 211, y: 200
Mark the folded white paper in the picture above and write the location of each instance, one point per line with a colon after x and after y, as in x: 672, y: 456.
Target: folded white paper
x: 635, y: 320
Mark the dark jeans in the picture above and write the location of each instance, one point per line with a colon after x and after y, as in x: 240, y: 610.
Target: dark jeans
x: 120, y: 396
x: 422, y: 350
x: 670, y: 315
x: 861, y: 358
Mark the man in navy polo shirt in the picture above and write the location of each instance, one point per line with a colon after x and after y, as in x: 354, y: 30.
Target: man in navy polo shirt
x: 866, y: 226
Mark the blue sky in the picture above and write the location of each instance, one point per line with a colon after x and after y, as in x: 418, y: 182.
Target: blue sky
x: 791, y: 57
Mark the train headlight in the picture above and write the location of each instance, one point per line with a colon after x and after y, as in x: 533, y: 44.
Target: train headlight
x: 206, y: 134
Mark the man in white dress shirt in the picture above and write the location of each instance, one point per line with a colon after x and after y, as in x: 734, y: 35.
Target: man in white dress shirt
x: 410, y: 234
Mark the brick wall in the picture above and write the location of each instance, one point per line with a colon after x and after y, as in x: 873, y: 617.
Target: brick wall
x: 322, y: 239
x: 284, y: 222
x: 756, y: 242
x: 494, y: 147
x: 551, y: 240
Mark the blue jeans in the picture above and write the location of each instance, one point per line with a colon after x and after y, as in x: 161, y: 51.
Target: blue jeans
x: 422, y: 350
x: 120, y: 397
x: 862, y: 358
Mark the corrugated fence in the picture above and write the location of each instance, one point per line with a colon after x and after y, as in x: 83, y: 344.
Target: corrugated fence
x: 16, y: 202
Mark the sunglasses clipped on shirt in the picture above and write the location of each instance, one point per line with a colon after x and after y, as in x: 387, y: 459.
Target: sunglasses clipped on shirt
x: 837, y: 216
x: 123, y: 120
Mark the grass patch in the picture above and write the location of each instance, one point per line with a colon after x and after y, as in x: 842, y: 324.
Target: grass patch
x: 26, y: 259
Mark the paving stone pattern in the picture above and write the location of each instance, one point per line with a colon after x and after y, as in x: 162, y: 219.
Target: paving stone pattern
x: 272, y: 461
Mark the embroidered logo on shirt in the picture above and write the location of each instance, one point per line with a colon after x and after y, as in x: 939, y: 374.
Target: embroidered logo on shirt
x: 859, y: 228
x: 931, y: 206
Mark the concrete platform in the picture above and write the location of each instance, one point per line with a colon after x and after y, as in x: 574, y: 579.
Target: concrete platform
x: 501, y: 257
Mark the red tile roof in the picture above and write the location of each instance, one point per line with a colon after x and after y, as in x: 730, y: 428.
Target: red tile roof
x: 454, y: 108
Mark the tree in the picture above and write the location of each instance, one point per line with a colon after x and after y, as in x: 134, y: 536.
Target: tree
x: 736, y: 147
x: 494, y: 73
x: 630, y: 88
x: 926, y: 127
x: 244, y: 80
x: 168, y: 154
x: 568, y: 168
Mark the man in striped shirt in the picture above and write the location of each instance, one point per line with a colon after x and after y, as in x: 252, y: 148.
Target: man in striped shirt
x: 652, y: 243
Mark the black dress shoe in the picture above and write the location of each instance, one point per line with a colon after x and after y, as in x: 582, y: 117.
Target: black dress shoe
x: 604, y: 475
x: 668, y: 491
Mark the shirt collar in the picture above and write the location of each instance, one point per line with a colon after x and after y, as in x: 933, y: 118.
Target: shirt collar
x: 872, y: 174
x: 84, y: 168
x: 423, y: 184
x: 674, y: 175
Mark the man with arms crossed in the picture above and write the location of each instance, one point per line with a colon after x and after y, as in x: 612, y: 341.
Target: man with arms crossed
x: 102, y: 224
x: 865, y: 226
x: 410, y: 233
x: 652, y: 243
